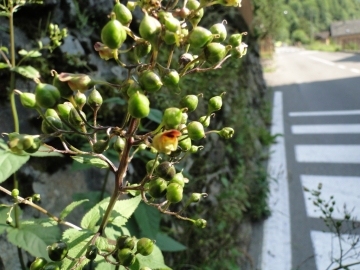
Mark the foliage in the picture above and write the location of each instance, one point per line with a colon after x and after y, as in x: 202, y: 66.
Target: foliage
x: 60, y: 106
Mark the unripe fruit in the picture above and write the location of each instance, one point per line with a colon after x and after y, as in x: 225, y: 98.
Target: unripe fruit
x: 63, y: 87
x: 215, y: 104
x: 57, y: 251
x: 215, y: 52
x: 46, y: 128
x: 150, y: 81
x: 149, y: 28
x: 172, y: 118
x: 178, y: 179
x: 219, y: 29
x: 46, y: 95
x: 125, y: 241
x: 194, y: 5
x: 227, y: 132
x: 38, y: 264
x: 100, y: 146
x: 142, y: 49
x: 113, y: 34
x: 165, y: 170
x: 51, y: 112
x: 145, y: 246
x: 27, y: 141
x: 184, y: 144
x: 94, y: 100
x: 51, y: 266
x: 64, y: 110
x: 170, y: 78
x: 126, y: 257
x: 172, y: 24
x: 123, y: 14
x: 119, y: 144
x: 133, y: 88
x: 150, y: 165
x: 80, y: 100
x: 200, y: 223
x: 15, y: 192
x: 157, y: 188
x: 195, y: 130
x: 184, y: 118
x: 205, y: 120
x: 28, y: 100
x: 75, y: 118
x: 34, y: 146
x: 235, y: 40
x: 199, y: 37
x: 174, y: 193
x: 91, y: 252
x: 139, y: 105
x: 190, y: 102
x: 185, y: 59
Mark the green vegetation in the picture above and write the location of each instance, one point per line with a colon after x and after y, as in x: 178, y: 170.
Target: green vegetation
x: 299, y: 21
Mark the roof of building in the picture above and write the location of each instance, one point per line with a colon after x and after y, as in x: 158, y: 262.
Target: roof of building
x: 344, y: 28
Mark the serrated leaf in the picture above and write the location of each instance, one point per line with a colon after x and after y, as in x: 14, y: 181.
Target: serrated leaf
x: 155, y: 115
x: 27, y: 71
x: 166, y: 243
x: 4, y: 65
x: 71, y: 207
x: 124, y: 209
x: 148, y: 220
x: 92, y: 217
x: 10, y: 163
x: 154, y: 261
x: 77, y: 242
x: 45, y: 152
x: 31, y: 53
x: 94, y: 161
x: 34, y: 236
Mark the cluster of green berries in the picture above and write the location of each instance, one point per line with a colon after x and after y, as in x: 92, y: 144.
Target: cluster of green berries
x: 57, y: 252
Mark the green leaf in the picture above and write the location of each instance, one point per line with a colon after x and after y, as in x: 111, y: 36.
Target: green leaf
x: 4, y: 49
x: 45, y: 152
x: 92, y: 217
x: 105, y: 266
x: 3, y: 144
x: 10, y: 163
x: 71, y: 207
x: 3, y: 13
x: 94, y: 161
x: 77, y: 242
x: 27, y: 71
x: 154, y: 261
x: 34, y: 236
x: 4, y: 209
x: 4, y: 65
x: 124, y: 209
x: 166, y: 243
x: 155, y: 115
x: 31, y: 53
x: 148, y: 220
x: 93, y: 197
x: 116, y: 100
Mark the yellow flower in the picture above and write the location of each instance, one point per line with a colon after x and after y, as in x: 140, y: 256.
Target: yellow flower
x: 166, y: 142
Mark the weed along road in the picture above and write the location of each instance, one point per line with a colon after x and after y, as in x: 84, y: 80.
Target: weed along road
x: 316, y: 110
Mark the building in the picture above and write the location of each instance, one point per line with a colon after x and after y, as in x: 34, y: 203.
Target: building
x: 346, y: 34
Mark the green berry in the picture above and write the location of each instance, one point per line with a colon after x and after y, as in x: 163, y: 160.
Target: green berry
x: 219, y: 29
x: 100, y: 146
x: 184, y: 144
x: 80, y: 100
x: 123, y: 14
x: 113, y: 34
x: 46, y: 95
x: 170, y: 78
x: 174, y: 193
x: 190, y: 102
x: 227, y: 132
x: 57, y: 251
x: 150, y: 28
x: 205, y: 120
x: 47, y: 125
x: 195, y: 130
x: 126, y: 257
x: 34, y: 146
x: 172, y: 118
x: 125, y: 241
x: 64, y: 110
x: 51, y: 266
x: 142, y: 49
x: 165, y: 170
x: 178, y: 179
x: 215, y: 52
x: 235, y: 40
x: 215, y: 104
x: 94, y: 100
x: 196, y: 17
x: 38, y: 264
x: 150, y: 165
x: 139, y: 105
x: 75, y: 118
x: 199, y: 37
x: 91, y: 252
x: 200, y: 223
x: 15, y: 192
x: 145, y: 246
x: 28, y: 100
x: 157, y: 188
x: 119, y: 144
x: 150, y: 81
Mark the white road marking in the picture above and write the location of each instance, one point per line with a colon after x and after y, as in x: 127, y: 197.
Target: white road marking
x: 324, y: 113
x: 326, y: 129
x: 328, y: 153
x: 321, y: 60
x: 345, y: 190
x: 355, y: 70
x: 326, y: 245
x: 276, y: 248
x: 341, y: 66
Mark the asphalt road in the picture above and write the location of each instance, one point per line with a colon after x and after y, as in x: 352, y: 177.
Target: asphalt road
x: 317, y: 110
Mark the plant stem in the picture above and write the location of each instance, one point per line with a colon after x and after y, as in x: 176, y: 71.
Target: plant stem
x: 120, y: 174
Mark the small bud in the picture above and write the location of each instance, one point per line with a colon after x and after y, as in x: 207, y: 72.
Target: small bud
x: 142, y: 147
x: 190, y: 102
x: 15, y: 192
x: 36, y: 197
x: 28, y: 100
x: 94, y: 100
x: 215, y: 104
x: 9, y: 220
x: 80, y: 100
x: 227, y: 132
x: 119, y: 144
x: 195, y: 130
x: 100, y: 146
x: 200, y: 223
